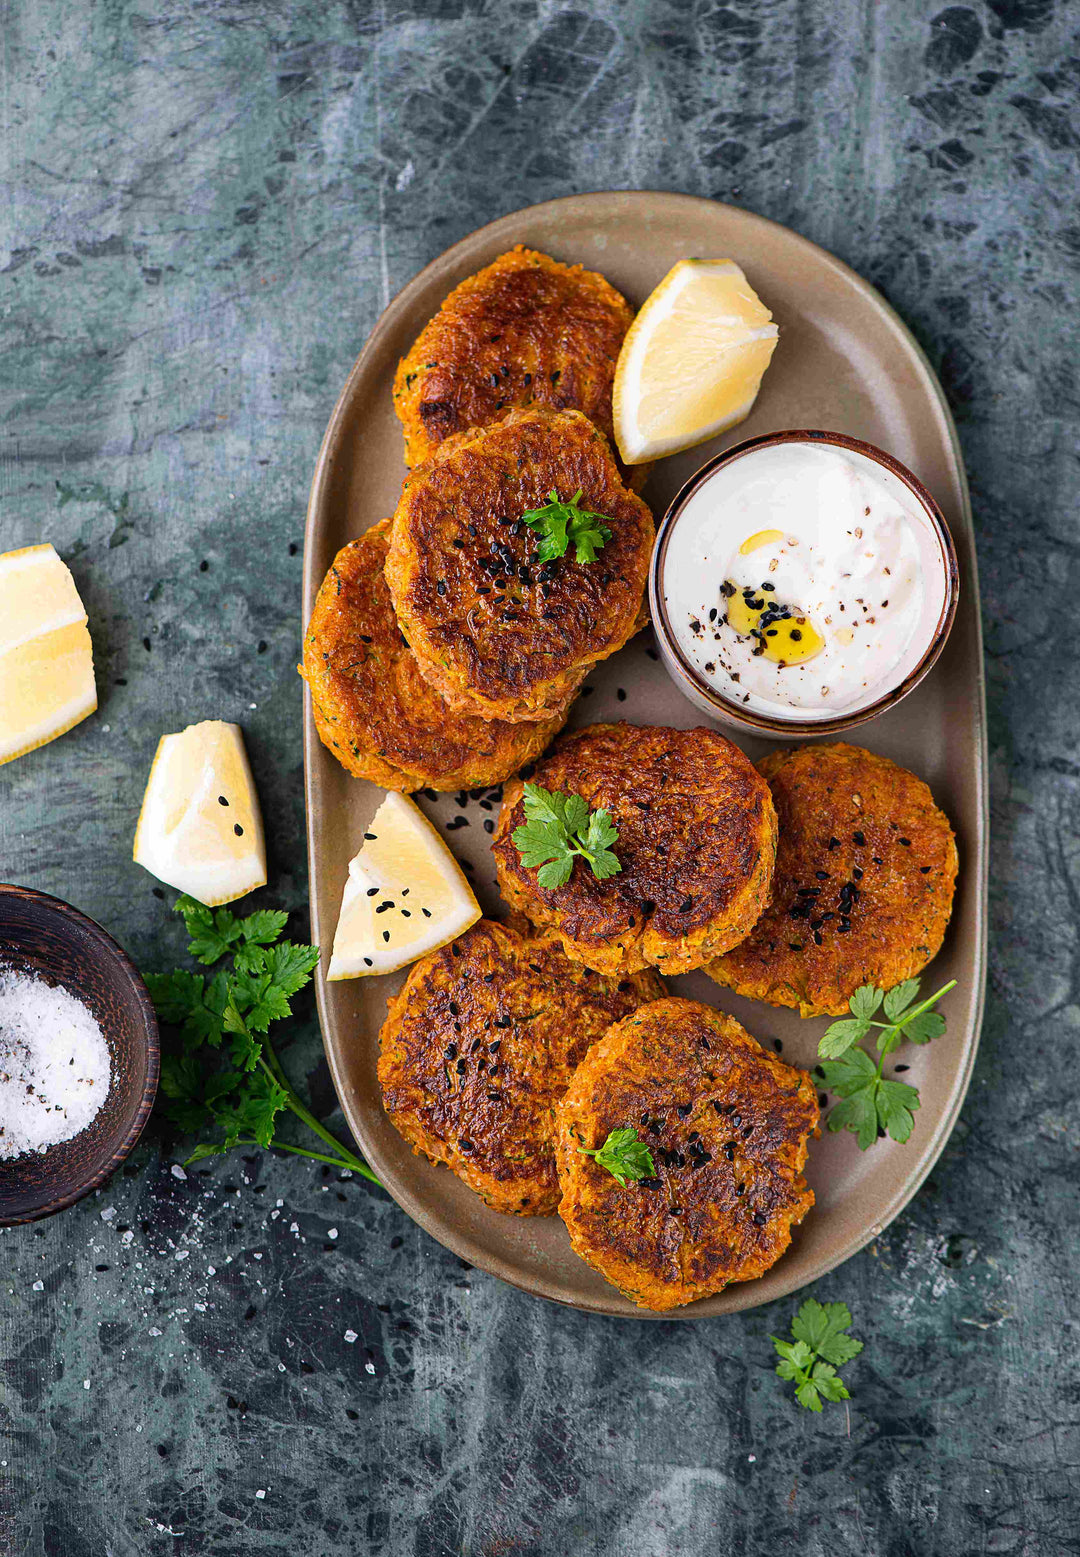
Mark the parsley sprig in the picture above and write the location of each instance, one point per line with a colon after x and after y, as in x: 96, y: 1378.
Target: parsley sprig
x: 869, y: 1103
x: 624, y: 1156
x: 222, y: 1073
x: 561, y: 525
x: 556, y: 828
x: 819, y: 1348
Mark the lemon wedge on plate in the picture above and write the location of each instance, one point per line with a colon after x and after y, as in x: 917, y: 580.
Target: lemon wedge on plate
x: 405, y: 895
x: 692, y: 361
x: 46, y: 660
x: 200, y: 828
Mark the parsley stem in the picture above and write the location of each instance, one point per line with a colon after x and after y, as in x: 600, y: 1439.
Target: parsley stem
x: 275, y: 1072
x: 898, y: 1028
x: 302, y: 1151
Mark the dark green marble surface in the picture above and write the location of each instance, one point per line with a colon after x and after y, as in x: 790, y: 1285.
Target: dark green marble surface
x: 204, y: 208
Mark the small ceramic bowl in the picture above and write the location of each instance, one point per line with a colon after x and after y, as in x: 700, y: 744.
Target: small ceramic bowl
x: 47, y: 937
x: 724, y: 710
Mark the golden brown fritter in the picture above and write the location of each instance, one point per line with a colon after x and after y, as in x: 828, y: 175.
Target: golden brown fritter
x: 495, y: 633
x: 373, y: 708
x: 479, y: 1046
x: 863, y: 887
x: 727, y: 1125
x: 523, y: 331
x: 697, y: 837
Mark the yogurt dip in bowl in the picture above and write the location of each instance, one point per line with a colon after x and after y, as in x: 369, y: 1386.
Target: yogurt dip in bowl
x: 801, y: 584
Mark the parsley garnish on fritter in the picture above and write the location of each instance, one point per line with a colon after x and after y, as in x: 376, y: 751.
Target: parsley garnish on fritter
x: 869, y: 1104
x: 557, y: 827
x: 561, y: 525
x: 624, y: 1156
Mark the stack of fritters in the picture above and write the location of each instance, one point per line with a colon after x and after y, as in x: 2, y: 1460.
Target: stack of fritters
x: 479, y: 1047
x: 441, y: 651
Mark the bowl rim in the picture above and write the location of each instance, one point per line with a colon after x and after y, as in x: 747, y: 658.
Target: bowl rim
x: 679, y: 667
x: 145, y: 1006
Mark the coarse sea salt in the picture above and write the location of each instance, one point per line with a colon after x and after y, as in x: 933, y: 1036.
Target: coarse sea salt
x: 54, y: 1064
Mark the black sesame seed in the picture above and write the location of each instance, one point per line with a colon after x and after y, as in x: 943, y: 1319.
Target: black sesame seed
x: 924, y: 870
x: 426, y: 912
x: 683, y: 1109
x: 834, y: 843
x: 859, y: 838
x: 822, y: 875
x: 899, y: 1068
x: 759, y: 1220
x: 238, y: 830
x: 857, y: 873
x: 386, y: 935
x: 905, y: 843
x: 686, y: 905
x: 222, y: 801
x: 621, y: 694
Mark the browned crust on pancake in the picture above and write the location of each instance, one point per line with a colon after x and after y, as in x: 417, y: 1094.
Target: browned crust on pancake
x: 523, y: 331
x: 697, y: 837
x: 479, y: 1046
x: 493, y: 632
x: 375, y: 711
x: 726, y: 1194
x: 895, y: 896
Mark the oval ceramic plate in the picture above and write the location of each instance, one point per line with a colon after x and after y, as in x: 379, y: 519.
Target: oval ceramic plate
x: 846, y: 363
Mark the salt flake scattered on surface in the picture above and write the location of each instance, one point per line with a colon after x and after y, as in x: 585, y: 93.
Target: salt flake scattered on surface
x: 177, y: 1171
x: 154, y: 1330
x: 108, y: 1215
x: 369, y: 1367
x: 350, y: 1336
x: 39, y: 1286
x: 261, y: 1492
x: 332, y: 1233
x: 86, y: 1383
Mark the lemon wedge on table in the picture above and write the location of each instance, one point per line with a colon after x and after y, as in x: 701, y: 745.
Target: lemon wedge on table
x: 405, y: 895
x: 46, y: 659
x: 200, y: 829
x: 692, y: 361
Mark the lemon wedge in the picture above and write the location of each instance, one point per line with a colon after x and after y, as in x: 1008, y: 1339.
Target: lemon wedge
x: 46, y: 659
x: 692, y: 361
x: 405, y: 895
x: 200, y: 828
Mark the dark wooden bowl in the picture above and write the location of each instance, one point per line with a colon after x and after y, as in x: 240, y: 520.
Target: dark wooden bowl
x: 46, y: 936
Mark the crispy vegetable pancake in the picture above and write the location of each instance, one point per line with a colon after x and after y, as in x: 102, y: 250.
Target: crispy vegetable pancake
x: 697, y: 837
x: 494, y: 631
x: 523, y: 331
x: 863, y: 887
x: 479, y: 1046
x: 727, y: 1125
x: 373, y: 708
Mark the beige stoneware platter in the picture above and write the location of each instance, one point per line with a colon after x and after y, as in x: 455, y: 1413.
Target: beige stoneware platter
x: 845, y: 363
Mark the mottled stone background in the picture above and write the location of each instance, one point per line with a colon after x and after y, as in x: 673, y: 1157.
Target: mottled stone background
x: 205, y: 206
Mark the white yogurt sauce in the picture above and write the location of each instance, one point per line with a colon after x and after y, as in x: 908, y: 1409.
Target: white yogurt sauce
x: 851, y: 550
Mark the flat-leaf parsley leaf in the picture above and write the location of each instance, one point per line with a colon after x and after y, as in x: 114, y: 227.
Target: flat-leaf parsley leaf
x: 869, y: 1104
x: 820, y: 1347
x: 624, y: 1156
x: 556, y: 828
x: 561, y: 525
x: 242, y: 1089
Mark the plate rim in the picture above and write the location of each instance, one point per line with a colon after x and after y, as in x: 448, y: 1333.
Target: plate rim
x: 461, y: 1244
